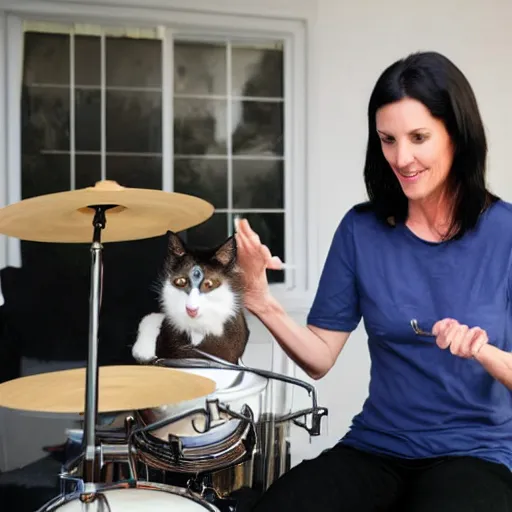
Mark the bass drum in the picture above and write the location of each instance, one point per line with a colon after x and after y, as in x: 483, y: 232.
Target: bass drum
x: 142, y: 496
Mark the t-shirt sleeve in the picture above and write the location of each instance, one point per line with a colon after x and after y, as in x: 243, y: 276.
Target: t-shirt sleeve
x: 336, y: 305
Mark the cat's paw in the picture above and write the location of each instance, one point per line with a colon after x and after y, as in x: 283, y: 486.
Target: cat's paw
x: 144, y: 349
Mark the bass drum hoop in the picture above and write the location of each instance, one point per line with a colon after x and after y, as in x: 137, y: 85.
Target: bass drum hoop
x: 182, y: 492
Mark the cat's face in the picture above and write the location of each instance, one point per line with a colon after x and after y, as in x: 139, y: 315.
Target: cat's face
x: 201, y: 288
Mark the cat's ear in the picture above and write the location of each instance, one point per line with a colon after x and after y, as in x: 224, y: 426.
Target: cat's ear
x: 175, y: 244
x: 226, y: 253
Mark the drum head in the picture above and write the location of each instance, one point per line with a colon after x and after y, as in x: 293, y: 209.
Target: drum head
x: 137, y: 499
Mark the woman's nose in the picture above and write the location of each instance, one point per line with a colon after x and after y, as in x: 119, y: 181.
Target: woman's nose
x: 404, y: 155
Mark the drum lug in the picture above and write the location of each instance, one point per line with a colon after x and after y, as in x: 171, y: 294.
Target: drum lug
x: 176, y: 446
x: 316, y: 421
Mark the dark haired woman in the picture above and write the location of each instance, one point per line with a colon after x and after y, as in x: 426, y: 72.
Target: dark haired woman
x: 432, y: 244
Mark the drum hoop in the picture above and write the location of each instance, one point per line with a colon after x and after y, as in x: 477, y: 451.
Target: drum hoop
x: 208, y: 361
x: 134, y: 484
x: 172, y: 455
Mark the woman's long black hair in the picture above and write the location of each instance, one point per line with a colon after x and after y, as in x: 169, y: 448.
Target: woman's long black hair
x: 437, y: 83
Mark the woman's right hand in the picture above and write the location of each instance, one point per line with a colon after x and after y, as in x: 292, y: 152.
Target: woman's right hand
x: 254, y: 259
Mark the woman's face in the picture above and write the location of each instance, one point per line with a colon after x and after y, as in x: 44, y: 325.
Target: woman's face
x: 416, y: 146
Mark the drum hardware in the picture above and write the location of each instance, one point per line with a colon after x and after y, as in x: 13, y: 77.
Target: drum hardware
x: 271, y: 456
x: 66, y: 217
x: 120, y: 214
x: 204, y: 488
x: 91, y: 386
x: 317, y: 413
x: 172, y: 455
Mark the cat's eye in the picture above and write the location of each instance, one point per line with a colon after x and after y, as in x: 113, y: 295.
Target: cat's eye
x: 180, y: 282
x: 210, y: 284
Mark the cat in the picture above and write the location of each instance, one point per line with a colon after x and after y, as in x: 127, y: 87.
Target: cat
x: 201, y: 297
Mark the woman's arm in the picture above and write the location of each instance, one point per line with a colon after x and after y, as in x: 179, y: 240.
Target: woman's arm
x: 315, y: 350
x: 497, y: 362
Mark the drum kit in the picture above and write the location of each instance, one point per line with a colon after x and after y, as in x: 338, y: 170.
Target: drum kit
x: 178, y: 435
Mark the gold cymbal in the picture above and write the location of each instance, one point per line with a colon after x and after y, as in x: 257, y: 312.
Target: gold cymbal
x: 66, y: 216
x: 120, y: 388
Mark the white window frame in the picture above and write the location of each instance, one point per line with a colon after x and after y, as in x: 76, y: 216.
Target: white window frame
x: 287, y: 22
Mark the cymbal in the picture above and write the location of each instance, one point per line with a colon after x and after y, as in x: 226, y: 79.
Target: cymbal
x: 67, y: 216
x: 120, y: 388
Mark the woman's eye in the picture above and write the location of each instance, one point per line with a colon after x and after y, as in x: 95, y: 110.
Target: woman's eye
x: 419, y: 137
x: 387, y: 140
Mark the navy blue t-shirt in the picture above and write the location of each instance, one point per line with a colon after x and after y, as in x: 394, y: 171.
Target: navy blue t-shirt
x: 423, y: 401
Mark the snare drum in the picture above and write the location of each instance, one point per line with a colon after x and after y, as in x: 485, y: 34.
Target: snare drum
x: 133, y: 498
x: 185, y: 445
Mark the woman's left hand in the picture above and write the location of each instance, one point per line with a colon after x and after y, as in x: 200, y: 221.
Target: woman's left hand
x: 462, y: 340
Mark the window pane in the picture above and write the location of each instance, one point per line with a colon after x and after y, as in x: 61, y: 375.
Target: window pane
x: 45, y: 122
x: 258, y: 128
x: 258, y: 184
x: 44, y: 174
x: 199, y: 68
x: 257, y: 72
x: 200, y: 126
x: 135, y: 171
x: 134, y: 122
x: 133, y: 62
x: 87, y: 120
x: 208, y: 234
x: 46, y: 59
x: 203, y: 177
x: 87, y: 61
x: 87, y: 170
x: 270, y: 228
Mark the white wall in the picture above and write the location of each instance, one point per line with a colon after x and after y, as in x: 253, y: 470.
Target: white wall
x: 351, y: 42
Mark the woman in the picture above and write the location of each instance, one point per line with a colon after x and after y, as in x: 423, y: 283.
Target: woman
x: 432, y: 244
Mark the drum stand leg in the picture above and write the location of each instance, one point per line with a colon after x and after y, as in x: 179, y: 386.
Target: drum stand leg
x: 90, y: 468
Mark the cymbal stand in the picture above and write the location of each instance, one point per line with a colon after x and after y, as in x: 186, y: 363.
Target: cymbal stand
x: 91, y: 386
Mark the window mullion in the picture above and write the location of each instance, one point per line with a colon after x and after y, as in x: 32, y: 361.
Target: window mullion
x: 168, y: 111
x: 103, y: 104
x: 14, y: 71
x: 72, y: 118
x: 229, y: 138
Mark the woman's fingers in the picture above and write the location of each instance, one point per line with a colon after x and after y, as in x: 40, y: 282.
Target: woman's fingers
x: 250, y: 244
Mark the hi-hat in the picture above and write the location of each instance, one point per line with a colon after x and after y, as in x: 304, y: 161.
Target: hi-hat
x: 120, y: 388
x: 67, y: 216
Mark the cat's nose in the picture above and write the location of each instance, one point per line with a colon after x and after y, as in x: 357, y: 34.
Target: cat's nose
x: 192, y: 311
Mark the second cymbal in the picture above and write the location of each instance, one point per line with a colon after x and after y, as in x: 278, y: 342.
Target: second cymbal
x: 67, y: 216
x: 120, y: 388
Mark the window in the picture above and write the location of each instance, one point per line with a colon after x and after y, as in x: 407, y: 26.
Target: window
x: 204, y: 114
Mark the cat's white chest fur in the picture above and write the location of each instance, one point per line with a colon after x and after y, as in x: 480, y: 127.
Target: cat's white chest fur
x: 196, y: 338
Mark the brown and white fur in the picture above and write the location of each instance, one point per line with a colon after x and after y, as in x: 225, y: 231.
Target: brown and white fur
x: 201, y: 296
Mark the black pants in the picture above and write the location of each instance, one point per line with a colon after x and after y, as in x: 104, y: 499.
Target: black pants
x: 343, y: 479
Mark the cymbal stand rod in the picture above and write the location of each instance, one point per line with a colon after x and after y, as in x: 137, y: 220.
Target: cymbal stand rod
x: 92, y: 372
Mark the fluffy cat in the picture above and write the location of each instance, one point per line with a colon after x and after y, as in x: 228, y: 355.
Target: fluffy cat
x: 201, y: 306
